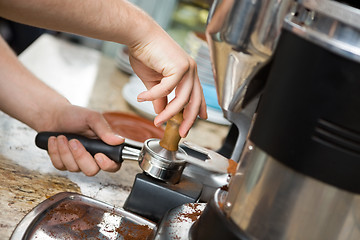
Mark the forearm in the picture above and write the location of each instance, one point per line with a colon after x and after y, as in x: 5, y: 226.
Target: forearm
x: 22, y: 95
x: 156, y: 58
x: 111, y: 20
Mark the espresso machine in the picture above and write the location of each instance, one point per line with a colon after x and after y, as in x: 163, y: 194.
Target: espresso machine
x: 287, y: 74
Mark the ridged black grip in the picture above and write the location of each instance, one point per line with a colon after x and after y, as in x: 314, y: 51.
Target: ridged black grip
x: 93, y: 146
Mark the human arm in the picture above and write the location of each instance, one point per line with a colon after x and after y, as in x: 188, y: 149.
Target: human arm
x: 155, y: 57
x: 29, y: 100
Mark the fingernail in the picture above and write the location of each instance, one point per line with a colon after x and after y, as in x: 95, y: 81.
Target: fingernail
x: 99, y: 158
x: 186, y: 133
x: 62, y: 139
x: 52, y: 140
x: 73, y: 144
x: 158, y: 124
x: 140, y: 99
x: 117, y: 135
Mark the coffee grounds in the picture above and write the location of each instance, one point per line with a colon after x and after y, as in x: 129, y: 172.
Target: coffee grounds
x: 80, y: 222
x: 64, y: 213
x: 232, y: 167
x: 192, y: 215
x: 132, y: 231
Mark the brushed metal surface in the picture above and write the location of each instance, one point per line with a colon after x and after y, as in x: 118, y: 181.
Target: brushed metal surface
x: 271, y: 201
x: 74, y: 216
x: 160, y: 164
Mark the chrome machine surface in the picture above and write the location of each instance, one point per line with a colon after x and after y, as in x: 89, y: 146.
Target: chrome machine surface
x: 74, y: 216
x: 270, y: 200
x: 242, y: 36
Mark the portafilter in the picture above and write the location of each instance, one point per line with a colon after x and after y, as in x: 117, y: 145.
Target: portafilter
x: 157, y: 157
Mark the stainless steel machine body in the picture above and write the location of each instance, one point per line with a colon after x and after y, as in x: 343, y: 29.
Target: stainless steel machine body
x: 288, y: 186
x: 242, y: 36
x: 269, y: 200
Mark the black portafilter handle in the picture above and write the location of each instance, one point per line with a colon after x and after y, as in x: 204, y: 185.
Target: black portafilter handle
x: 93, y: 146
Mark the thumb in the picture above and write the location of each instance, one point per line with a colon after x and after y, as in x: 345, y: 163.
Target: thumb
x: 103, y: 130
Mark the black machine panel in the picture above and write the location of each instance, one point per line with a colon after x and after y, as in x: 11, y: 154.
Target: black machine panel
x: 309, y: 114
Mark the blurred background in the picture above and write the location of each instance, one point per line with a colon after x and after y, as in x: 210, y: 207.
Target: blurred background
x: 184, y: 20
x: 176, y: 16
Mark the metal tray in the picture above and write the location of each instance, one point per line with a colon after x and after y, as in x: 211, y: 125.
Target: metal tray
x: 73, y: 216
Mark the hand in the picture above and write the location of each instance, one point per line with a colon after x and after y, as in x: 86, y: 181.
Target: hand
x: 71, y: 155
x: 163, y: 65
x: 155, y: 57
x: 26, y: 98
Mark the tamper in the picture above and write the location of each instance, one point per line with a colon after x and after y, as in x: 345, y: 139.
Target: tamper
x: 158, y: 157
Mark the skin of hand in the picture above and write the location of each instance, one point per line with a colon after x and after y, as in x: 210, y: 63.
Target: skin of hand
x: 29, y: 100
x: 159, y: 62
x: 155, y: 57
x: 163, y: 66
x: 71, y: 155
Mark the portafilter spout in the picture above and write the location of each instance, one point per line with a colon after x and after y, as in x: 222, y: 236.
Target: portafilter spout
x: 158, y: 157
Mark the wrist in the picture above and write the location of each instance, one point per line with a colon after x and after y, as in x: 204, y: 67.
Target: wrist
x: 47, y: 117
x: 139, y: 27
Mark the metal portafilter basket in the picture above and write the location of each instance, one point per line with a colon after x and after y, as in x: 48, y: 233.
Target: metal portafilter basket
x: 157, y: 157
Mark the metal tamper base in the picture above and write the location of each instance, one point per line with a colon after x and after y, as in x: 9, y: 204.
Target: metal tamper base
x: 158, y: 157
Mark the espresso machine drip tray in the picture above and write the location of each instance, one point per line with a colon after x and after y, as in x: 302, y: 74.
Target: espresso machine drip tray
x: 74, y: 216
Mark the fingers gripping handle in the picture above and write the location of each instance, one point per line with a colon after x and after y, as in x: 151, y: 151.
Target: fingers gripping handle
x: 171, y: 138
x: 93, y: 146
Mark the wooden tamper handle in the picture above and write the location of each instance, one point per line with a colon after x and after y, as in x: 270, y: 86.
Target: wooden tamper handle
x: 171, y: 138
